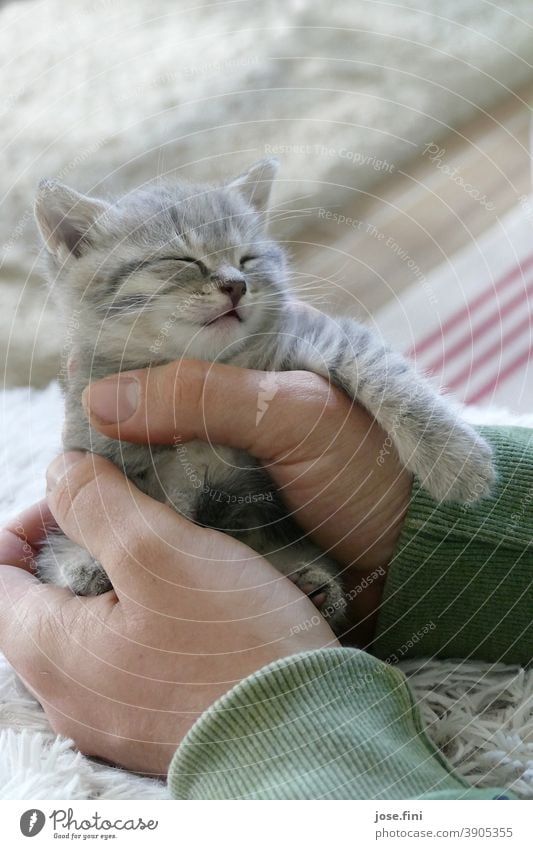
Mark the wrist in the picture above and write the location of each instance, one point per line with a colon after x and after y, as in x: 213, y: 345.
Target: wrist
x: 375, y: 546
x: 368, y: 558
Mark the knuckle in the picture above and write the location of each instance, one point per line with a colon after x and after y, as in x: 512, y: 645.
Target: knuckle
x: 132, y: 552
x: 75, y: 487
x: 314, y: 386
x: 129, y: 549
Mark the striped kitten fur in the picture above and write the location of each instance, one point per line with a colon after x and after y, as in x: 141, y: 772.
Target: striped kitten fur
x: 189, y: 270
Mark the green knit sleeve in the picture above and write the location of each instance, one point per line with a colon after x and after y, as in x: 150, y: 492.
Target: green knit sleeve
x: 461, y: 582
x: 329, y: 724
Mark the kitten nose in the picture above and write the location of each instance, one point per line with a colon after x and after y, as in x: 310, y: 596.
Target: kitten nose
x: 235, y: 289
x: 233, y: 285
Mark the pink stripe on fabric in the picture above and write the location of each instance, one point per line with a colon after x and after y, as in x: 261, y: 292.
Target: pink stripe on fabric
x: 494, y: 382
x: 483, y: 297
x: 497, y: 348
x: 478, y: 332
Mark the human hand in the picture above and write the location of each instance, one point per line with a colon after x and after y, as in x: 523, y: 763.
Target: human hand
x: 193, y: 611
x: 339, y: 476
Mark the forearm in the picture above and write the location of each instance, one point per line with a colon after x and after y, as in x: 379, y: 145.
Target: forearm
x: 461, y: 582
x: 333, y: 724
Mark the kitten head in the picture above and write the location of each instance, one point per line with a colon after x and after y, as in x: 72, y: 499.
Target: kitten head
x: 166, y: 271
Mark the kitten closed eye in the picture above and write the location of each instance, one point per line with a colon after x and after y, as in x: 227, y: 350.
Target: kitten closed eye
x: 188, y: 259
x: 247, y: 259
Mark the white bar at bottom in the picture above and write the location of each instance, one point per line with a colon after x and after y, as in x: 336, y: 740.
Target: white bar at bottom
x: 269, y: 825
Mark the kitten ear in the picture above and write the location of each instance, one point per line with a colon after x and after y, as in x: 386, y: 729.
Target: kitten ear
x: 255, y: 184
x: 65, y: 217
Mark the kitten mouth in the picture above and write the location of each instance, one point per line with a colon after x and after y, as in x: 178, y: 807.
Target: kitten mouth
x: 229, y: 314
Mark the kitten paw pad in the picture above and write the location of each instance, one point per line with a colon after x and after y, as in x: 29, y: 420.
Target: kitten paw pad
x: 323, y: 590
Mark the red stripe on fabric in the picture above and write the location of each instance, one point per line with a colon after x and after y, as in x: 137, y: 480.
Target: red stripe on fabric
x: 498, y: 347
x: 478, y: 332
x: 458, y: 316
x: 494, y: 382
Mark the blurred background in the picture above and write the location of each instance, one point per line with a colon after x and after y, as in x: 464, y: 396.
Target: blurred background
x: 403, y: 130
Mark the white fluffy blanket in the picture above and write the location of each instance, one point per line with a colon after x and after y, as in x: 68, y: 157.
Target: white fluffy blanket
x: 34, y: 763
x: 481, y: 715
x: 106, y: 95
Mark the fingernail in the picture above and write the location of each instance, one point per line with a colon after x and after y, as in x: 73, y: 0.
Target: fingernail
x: 112, y: 400
x: 61, y: 465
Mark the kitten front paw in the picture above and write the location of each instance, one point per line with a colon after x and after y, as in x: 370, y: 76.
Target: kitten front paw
x: 89, y: 579
x: 458, y: 469
x: 325, y: 592
x: 67, y: 564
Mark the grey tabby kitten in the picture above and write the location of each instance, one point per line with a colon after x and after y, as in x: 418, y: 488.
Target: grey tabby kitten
x: 189, y: 270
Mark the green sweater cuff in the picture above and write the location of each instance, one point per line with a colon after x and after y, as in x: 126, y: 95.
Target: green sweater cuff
x: 333, y: 724
x: 461, y: 582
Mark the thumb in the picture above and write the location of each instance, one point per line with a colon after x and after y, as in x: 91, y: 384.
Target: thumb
x: 225, y: 405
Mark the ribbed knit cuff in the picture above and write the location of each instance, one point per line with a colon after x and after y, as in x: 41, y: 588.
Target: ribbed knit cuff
x: 461, y: 583
x: 334, y: 724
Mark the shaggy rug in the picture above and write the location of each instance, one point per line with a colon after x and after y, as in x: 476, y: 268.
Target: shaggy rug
x: 480, y: 714
x: 106, y: 95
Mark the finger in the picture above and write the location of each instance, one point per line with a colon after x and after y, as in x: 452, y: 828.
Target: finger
x: 22, y: 536
x: 25, y: 601
x: 40, y: 623
x: 96, y: 506
x: 15, y: 551
x: 32, y: 523
x: 190, y: 399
